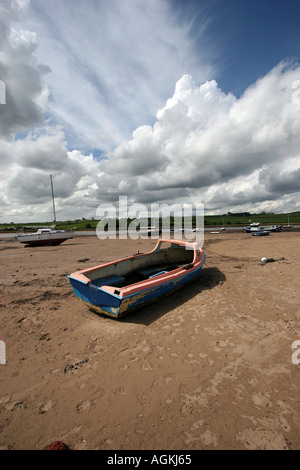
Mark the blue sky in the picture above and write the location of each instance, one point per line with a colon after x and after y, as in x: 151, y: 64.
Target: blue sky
x: 253, y: 36
x: 158, y: 100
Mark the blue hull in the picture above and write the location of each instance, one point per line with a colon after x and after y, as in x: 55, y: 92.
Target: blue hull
x: 113, y: 305
x: 272, y: 228
x: 260, y: 233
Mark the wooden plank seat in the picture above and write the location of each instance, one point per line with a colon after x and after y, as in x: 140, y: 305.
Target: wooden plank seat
x: 158, y: 274
x: 112, y: 280
x: 155, y: 271
x: 147, y: 272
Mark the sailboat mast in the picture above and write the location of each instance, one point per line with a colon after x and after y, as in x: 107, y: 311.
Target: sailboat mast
x: 53, y: 200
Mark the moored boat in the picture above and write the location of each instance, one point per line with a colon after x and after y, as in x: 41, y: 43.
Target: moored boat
x: 260, y: 228
x: 119, y: 287
x: 260, y: 233
x: 45, y: 236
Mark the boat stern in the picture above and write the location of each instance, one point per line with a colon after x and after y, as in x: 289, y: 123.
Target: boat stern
x: 98, y: 299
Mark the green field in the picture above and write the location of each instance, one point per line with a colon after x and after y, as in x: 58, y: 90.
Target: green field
x: 293, y: 218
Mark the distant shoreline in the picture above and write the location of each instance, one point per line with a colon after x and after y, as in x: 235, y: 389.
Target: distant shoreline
x: 92, y: 232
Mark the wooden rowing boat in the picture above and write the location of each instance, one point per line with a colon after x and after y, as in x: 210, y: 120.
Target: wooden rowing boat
x: 119, y: 287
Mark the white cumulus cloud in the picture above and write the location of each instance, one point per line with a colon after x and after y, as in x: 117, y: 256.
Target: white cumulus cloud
x: 218, y: 148
x: 164, y: 135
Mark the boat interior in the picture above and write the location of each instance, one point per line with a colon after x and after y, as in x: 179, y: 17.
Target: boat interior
x: 142, y: 266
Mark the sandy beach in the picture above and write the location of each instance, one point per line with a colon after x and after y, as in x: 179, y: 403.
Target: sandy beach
x: 210, y: 367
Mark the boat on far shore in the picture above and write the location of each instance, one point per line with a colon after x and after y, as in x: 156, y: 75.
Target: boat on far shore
x: 260, y: 233
x: 254, y: 224
x: 45, y: 236
x: 260, y: 228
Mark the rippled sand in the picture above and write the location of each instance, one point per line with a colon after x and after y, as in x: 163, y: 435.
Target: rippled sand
x: 207, y: 368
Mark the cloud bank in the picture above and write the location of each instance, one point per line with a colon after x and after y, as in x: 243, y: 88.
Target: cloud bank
x: 215, y: 148
x: 197, y: 144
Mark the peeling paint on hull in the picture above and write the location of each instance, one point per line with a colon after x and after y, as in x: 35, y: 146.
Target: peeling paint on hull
x: 112, y: 304
x: 133, y: 302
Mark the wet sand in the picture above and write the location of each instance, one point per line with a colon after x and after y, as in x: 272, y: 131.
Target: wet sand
x: 210, y: 367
